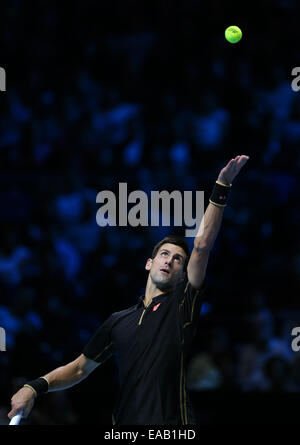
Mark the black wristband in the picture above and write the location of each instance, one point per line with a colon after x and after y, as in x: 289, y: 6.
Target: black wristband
x: 39, y: 386
x: 220, y: 194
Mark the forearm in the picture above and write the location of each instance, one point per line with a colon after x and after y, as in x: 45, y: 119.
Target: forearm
x: 209, y: 227
x: 211, y: 221
x: 64, y: 377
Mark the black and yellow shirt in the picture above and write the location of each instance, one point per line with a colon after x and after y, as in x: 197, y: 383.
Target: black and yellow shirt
x: 151, y: 344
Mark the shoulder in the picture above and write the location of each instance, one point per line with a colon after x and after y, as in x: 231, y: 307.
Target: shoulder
x: 119, y: 314
x: 185, y: 289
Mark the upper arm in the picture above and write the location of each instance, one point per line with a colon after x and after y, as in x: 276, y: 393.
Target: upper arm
x: 197, y: 265
x: 101, y: 347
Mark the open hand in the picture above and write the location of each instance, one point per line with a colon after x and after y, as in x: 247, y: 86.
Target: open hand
x: 231, y: 170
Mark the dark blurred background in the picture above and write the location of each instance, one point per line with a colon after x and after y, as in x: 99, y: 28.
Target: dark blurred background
x: 149, y: 93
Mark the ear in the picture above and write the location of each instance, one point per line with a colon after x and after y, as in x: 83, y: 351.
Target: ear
x: 148, y: 264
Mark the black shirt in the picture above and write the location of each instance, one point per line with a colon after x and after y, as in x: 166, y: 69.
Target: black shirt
x: 151, y: 345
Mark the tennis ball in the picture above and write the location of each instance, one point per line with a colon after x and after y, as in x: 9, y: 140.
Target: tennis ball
x: 233, y: 34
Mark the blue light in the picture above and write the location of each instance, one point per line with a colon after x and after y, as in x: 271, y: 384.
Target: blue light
x: 180, y: 153
x: 206, y: 308
x: 133, y: 153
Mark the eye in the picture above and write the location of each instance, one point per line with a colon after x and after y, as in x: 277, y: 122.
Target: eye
x: 164, y: 253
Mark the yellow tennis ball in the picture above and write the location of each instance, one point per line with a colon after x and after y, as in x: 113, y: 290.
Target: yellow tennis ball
x: 233, y: 34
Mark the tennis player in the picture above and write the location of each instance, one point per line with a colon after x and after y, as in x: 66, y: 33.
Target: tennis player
x: 151, y: 338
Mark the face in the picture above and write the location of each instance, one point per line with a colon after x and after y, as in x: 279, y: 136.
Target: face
x: 166, y: 269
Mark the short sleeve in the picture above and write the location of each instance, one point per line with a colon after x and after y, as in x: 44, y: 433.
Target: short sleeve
x: 100, y: 347
x: 190, y: 301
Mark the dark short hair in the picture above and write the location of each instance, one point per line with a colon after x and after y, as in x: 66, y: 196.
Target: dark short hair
x: 174, y: 239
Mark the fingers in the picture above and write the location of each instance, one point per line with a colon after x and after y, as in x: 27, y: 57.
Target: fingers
x: 25, y: 408
x: 239, y: 161
x: 242, y: 160
x: 14, y: 412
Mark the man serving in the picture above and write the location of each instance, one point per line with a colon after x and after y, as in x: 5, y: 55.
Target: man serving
x: 151, y: 338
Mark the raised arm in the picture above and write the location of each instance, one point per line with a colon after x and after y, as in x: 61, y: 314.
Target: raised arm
x: 58, y: 379
x: 211, y: 223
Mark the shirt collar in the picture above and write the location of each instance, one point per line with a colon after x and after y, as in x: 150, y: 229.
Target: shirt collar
x: 154, y: 299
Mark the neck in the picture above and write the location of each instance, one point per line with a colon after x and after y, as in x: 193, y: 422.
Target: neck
x: 152, y: 291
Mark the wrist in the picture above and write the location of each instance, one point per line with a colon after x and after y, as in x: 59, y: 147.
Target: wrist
x: 220, y: 193
x: 223, y: 181
x: 38, y: 386
x: 31, y: 390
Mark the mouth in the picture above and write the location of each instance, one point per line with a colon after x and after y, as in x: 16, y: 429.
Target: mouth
x: 165, y: 271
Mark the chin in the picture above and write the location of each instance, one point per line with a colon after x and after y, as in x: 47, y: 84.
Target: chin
x: 164, y: 285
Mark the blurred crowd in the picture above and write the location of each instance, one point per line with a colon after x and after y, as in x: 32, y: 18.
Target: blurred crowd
x: 105, y: 95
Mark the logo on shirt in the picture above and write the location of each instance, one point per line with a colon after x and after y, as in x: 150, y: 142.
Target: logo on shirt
x: 155, y: 307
